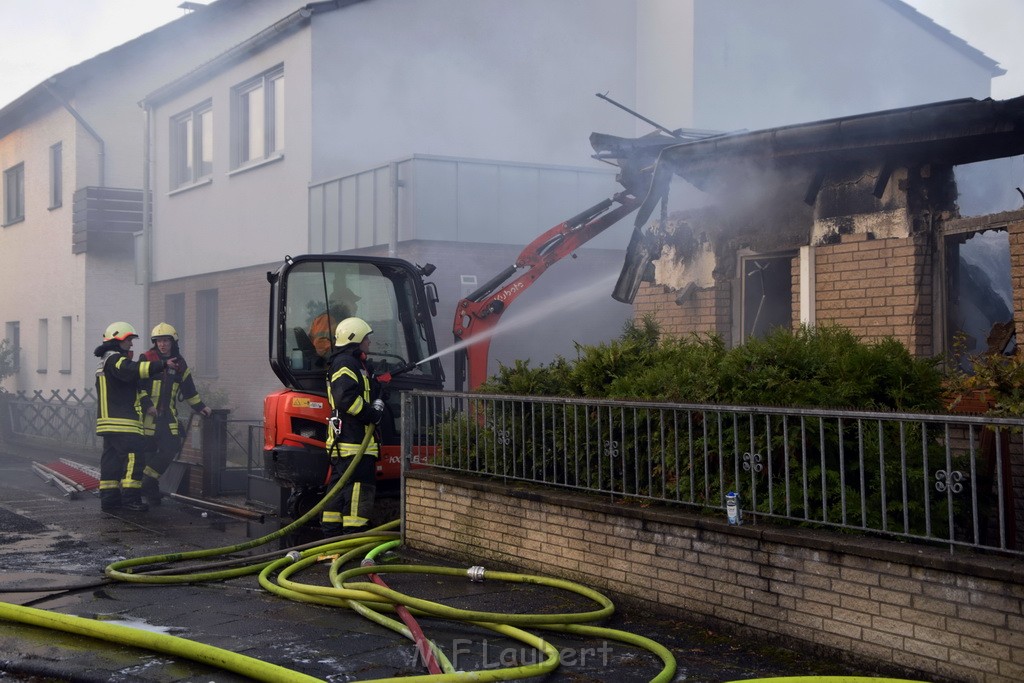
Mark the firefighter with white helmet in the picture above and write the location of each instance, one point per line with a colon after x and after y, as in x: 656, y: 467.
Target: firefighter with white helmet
x: 356, y: 407
x: 161, y: 393
x: 119, y: 417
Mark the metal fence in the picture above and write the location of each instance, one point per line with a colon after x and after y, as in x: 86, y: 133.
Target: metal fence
x: 68, y: 417
x: 954, y: 480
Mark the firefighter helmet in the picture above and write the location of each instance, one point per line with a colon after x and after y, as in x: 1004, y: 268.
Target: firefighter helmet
x: 351, y: 331
x: 119, y: 331
x: 164, y: 330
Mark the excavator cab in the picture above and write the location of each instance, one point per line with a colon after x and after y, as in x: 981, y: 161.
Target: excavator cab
x: 309, y: 296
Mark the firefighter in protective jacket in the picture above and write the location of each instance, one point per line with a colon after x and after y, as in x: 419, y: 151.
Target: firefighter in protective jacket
x: 161, y: 393
x: 119, y: 417
x: 355, y: 409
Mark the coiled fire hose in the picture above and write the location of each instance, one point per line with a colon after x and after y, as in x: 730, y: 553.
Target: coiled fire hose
x: 369, y: 599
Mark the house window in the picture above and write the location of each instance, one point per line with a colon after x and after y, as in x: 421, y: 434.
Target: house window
x: 56, y: 175
x: 192, y: 146
x: 65, y: 345
x: 174, y: 313
x: 979, y: 292
x: 767, y: 291
x: 206, y: 332
x: 258, y: 108
x: 12, y: 333
x: 43, y: 346
x: 14, y: 194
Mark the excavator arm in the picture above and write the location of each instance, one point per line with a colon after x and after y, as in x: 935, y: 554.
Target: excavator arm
x: 478, y: 313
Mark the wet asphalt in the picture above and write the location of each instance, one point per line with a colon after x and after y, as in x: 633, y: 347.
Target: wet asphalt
x: 55, y: 548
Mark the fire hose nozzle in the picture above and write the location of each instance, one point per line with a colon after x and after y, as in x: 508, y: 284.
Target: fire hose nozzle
x: 388, y: 376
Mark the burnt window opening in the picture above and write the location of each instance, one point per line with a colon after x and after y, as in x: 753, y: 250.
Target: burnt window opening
x: 979, y: 294
x: 767, y: 291
x: 988, y: 187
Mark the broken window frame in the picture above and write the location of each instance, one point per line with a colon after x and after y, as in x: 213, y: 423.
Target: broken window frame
x: 741, y: 308
x: 952, y: 240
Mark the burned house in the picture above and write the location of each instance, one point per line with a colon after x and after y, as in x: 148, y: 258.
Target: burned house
x: 856, y: 220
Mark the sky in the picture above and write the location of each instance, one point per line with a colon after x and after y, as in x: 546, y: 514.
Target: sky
x: 44, y: 37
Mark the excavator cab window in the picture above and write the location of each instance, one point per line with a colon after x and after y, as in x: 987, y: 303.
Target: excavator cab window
x: 314, y: 293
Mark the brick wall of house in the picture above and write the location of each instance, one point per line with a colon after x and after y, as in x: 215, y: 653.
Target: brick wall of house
x: 703, y: 312
x: 874, y: 287
x: 1015, y: 229
x: 877, y: 288
x: 243, y: 376
x: 922, y: 610
x: 1016, y: 232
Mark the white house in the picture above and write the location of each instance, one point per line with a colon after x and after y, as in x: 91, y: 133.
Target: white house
x: 455, y: 131
x: 71, y: 154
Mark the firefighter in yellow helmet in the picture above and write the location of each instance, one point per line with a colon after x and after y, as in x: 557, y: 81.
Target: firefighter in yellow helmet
x: 119, y: 417
x: 356, y: 406
x: 161, y: 393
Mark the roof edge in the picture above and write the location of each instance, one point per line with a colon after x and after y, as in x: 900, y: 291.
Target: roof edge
x: 254, y: 43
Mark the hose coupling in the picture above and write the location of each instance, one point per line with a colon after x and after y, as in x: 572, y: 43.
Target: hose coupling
x: 475, y: 574
x: 367, y: 562
x: 294, y: 555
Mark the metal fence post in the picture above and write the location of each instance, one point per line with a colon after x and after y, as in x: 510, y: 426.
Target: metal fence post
x: 214, y: 449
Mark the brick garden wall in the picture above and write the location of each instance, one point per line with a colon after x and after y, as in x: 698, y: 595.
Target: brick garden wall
x: 923, y: 611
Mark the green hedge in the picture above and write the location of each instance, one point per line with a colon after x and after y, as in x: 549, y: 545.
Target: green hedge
x: 825, y: 366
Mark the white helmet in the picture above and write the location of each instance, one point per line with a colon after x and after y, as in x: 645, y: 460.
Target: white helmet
x: 351, y: 331
x: 119, y: 331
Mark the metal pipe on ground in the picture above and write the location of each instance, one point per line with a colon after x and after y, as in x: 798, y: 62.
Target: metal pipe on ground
x: 244, y: 513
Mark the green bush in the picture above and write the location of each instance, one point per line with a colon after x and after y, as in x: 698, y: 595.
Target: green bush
x: 825, y: 366
x: 8, y: 356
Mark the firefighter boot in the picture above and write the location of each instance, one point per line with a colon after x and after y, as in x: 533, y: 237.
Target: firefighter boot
x: 110, y: 500
x: 151, y: 490
x: 131, y: 500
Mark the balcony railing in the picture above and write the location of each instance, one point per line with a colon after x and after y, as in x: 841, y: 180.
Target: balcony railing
x: 105, y: 218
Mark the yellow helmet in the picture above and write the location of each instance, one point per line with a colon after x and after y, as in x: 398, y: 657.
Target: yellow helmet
x: 164, y: 330
x: 119, y: 331
x: 351, y: 331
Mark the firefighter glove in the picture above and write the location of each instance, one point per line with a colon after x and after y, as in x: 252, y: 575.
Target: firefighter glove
x: 378, y: 411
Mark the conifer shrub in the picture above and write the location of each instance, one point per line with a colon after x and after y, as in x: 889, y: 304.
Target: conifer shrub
x: 825, y: 366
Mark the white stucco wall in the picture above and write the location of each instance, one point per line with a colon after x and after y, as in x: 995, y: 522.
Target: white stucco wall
x: 42, y: 279
x: 489, y: 79
x: 241, y: 217
x: 664, y: 30
x: 766, y: 64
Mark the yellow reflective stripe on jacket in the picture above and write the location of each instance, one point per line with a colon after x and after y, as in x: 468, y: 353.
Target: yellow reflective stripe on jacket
x: 346, y: 449
x: 357, y: 405
x: 118, y: 424
x: 101, y: 385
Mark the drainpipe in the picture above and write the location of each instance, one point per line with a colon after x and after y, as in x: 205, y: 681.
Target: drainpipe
x: 395, y: 184
x: 147, y: 208
x: 89, y: 129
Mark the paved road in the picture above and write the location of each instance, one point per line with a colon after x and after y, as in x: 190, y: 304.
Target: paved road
x: 50, y: 542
